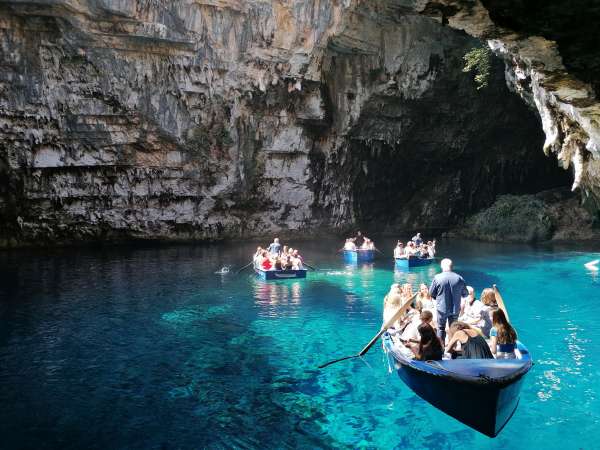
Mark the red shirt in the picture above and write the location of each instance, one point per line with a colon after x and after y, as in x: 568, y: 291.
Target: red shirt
x: 266, y: 264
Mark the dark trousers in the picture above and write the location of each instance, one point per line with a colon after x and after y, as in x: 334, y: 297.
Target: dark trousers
x: 442, y: 318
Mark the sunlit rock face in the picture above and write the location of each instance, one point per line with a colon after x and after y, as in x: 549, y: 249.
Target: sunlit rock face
x: 211, y: 119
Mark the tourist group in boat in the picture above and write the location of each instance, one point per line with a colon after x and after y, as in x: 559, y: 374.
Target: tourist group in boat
x: 278, y: 257
x: 451, y: 348
x: 359, y: 242
x: 446, y: 320
x: 416, y: 247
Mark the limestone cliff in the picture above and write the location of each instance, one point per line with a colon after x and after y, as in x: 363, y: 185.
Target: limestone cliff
x: 217, y: 118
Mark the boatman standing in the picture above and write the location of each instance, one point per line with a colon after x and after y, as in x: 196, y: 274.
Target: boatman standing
x: 447, y: 288
x: 275, y: 247
x: 359, y: 239
x: 417, y: 239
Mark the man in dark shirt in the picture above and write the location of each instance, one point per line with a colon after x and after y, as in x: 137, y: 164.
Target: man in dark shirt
x: 447, y: 288
x: 359, y: 239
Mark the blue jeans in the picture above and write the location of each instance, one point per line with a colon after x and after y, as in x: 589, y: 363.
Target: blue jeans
x: 441, y: 324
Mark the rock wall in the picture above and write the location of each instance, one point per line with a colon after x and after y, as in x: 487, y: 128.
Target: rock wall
x: 203, y: 119
x: 553, y: 61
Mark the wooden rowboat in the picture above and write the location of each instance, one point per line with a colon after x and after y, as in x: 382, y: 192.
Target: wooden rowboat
x: 413, y: 261
x: 280, y: 274
x: 481, y: 393
x: 360, y: 255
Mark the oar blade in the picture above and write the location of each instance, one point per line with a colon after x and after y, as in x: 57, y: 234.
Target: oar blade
x: 500, y: 301
x: 337, y: 360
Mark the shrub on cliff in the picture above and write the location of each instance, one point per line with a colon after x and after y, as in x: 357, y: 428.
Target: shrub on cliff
x: 478, y: 60
x: 518, y: 218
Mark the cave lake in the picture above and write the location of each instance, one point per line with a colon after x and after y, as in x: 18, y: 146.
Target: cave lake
x: 146, y: 347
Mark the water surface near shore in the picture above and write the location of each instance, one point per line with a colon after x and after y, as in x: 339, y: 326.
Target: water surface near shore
x: 146, y: 347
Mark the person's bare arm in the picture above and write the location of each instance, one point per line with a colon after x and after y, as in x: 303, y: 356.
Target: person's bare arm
x: 453, y: 341
x: 493, y: 343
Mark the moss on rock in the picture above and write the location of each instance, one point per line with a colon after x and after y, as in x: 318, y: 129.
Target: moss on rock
x: 512, y: 218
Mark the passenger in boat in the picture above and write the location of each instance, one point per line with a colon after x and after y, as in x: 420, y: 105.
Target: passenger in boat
x: 447, y: 288
x: 425, y: 302
x: 371, y: 244
x: 296, y: 263
x: 287, y: 262
x: 411, y: 330
x: 391, y: 303
x: 470, y: 310
x: 265, y: 263
x: 274, y: 247
x: 366, y: 244
x: 431, y: 248
x: 503, y: 337
x: 359, y: 239
x: 399, y: 250
x: 395, y: 288
x: 257, y: 258
x: 429, y: 347
x: 407, y: 291
x: 296, y: 254
x: 473, y: 345
x: 488, y: 299
x: 417, y: 239
x: 350, y: 245
x: 410, y: 249
x: 278, y: 265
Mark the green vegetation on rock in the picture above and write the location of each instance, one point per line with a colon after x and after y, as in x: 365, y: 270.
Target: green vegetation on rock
x: 517, y: 218
x: 479, y: 61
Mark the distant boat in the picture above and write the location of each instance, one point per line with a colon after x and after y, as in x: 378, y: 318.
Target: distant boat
x: 359, y: 255
x: 413, y: 261
x: 481, y: 393
x: 280, y: 274
x: 592, y: 265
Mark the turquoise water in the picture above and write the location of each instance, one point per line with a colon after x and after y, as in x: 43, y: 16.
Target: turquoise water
x: 143, y: 348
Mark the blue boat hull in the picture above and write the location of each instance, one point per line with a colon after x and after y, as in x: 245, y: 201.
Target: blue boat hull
x: 280, y: 274
x: 482, y: 394
x: 353, y: 256
x: 405, y: 263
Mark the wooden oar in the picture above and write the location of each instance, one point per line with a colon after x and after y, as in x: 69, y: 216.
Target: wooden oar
x: 500, y: 302
x: 309, y: 266
x: 384, y: 328
x: 244, y: 267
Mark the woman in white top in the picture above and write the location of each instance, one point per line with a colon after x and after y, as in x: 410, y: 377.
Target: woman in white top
x: 399, y: 250
x: 410, y: 249
x: 391, y: 303
x: 349, y: 245
x: 470, y: 309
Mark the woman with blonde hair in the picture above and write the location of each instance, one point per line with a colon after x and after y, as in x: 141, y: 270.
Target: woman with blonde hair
x: 407, y: 291
x: 392, y: 303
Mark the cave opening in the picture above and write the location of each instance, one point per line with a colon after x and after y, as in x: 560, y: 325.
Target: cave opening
x: 431, y: 162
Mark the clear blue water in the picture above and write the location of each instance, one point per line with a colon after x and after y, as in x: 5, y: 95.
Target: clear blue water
x: 147, y: 348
